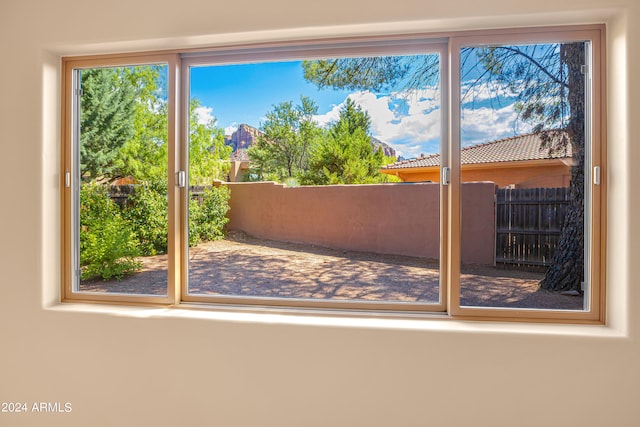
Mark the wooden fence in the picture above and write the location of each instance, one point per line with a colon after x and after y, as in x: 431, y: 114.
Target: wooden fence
x: 121, y: 193
x: 528, y: 225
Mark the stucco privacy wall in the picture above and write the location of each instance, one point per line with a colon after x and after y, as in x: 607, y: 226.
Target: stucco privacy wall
x: 123, y: 366
x: 398, y: 219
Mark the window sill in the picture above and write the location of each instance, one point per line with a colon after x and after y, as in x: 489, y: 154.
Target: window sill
x: 427, y: 322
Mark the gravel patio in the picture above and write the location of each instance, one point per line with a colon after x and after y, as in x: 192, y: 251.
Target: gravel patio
x: 241, y: 265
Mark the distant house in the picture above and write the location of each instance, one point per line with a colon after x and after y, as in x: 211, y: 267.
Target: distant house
x: 518, y: 162
x: 239, y: 165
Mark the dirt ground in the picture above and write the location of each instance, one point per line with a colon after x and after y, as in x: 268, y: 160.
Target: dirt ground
x: 240, y: 265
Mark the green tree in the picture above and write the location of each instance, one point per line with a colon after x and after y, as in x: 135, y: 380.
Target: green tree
x: 289, y: 134
x: 351, y: 119
x: 208, y: 154
x: 144, y: 156
x: 125, y: 134
x: 551, y: 90
x: 346, y: 155
x: 106, y: 120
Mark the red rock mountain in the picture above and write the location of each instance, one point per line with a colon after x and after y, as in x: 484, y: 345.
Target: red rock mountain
x: 244, y: 137
x: 386, y: 148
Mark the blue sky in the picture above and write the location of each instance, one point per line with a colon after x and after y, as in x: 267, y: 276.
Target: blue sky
x: 409, y: 122
x: 244, y: 93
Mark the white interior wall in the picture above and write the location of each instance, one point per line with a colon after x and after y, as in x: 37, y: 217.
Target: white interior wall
x: 131, y: 366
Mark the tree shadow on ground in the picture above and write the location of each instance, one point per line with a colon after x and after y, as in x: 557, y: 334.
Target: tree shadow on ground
x: 275, y: 269
x: 248, y: 267
x: 482, y: 286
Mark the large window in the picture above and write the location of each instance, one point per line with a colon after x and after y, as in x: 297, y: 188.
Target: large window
x: 312, y: 219
x: 461, y: 174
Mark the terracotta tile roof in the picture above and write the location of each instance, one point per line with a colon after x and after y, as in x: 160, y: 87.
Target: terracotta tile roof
x: 517, y: 148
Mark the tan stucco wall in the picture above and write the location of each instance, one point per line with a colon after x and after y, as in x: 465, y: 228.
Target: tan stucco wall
x: 400, y: 219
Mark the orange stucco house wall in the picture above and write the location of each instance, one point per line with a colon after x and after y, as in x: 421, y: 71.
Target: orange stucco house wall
x: 521, y: 161
x: 526, y: 174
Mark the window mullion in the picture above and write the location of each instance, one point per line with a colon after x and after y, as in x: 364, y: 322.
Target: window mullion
x: 174, y: 145
x: 453, y: 189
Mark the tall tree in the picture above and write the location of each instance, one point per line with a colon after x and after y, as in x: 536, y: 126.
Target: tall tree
x: 282, y: 152
x: 567, y: 268
x: 550, y: 84
x: 106, y: 120
x: 346, y: 155
x: 550, y: 89
x: 144, y: 156
x: 352, y: 118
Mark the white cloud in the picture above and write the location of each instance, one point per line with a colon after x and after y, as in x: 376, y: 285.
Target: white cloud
x: 489, y: 124
x: 377, y: 107
x: 204, y: 115
x: 421, y: 100
x: 407, y: 121
x: 410, y: 121
x: 231, y: 129
x: 328, y: 117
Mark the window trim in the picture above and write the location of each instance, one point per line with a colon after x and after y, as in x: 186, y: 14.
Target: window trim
x: 69, y: 67
x: 405, y: 45
x: 594, y: 223
x: 178, y: 63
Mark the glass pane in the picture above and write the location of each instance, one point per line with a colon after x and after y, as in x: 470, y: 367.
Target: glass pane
x: 297, y: 172
x: 523, y: 162
x: 121, y: 208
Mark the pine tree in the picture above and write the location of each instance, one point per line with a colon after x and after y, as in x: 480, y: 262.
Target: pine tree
x: 106, y: 120
x: 346, y: 155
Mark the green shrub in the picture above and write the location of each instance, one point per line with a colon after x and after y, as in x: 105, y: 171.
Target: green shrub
x: 111, y: 239
x: 194, y: 224
x: 147, y: 212
x: 208, y: 218
x: 108, y: 246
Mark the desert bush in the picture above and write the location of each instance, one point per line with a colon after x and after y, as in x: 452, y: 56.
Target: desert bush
x: 108, y: 246
x: 208, y: 217
x: 111, y: 238
x: 147, y: 213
